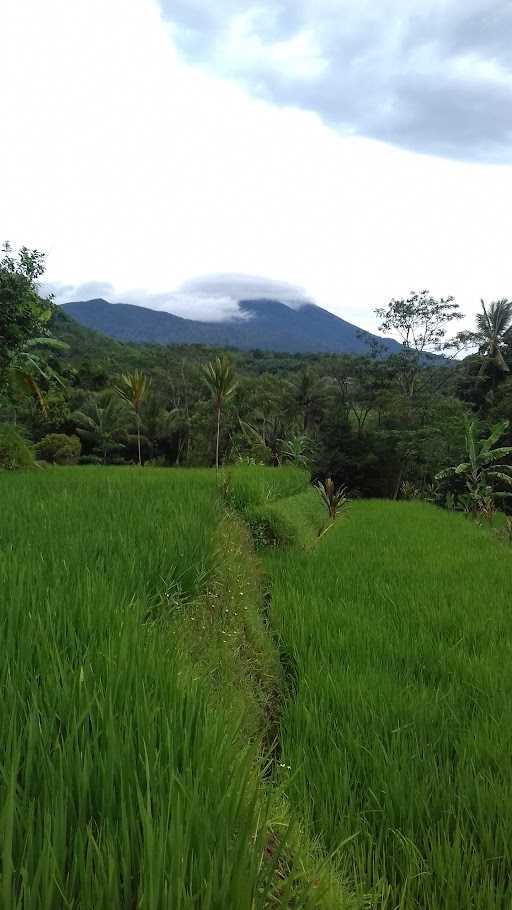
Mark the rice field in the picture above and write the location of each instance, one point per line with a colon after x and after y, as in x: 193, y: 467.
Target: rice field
x: 397, y: 632
x: 170, y: 740
x: 123, y: 782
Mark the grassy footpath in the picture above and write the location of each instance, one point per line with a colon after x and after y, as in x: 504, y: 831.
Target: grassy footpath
x: 397, y: 631
x: 136, y: 682
x: 278, y: 506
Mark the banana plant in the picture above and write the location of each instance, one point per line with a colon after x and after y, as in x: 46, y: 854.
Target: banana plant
x: 27, y: 368
x: 297, y: 449
x: 484, y: 469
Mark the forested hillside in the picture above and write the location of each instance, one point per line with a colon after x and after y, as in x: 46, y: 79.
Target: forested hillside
x: 268, y: 325
x: 373, y: 424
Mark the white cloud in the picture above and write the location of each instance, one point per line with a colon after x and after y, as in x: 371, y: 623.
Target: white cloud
x: 393, y: 70
x: 212, y: 298
x: 132, y: 167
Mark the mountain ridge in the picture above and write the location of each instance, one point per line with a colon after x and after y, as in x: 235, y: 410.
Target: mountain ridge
x: 269, y: 325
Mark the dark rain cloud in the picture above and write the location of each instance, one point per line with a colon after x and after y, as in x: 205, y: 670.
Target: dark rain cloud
x: 433, y: 76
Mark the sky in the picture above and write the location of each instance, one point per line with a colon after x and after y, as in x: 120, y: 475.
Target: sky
x: 349, y: 150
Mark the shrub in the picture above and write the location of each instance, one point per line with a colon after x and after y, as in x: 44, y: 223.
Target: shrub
x: 89, y: 459
x: 15, y: 452
x: 58, y: 448
x: 334, y: 498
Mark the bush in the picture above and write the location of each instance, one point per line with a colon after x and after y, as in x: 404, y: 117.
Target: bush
x: 89, y: 459
x: 268, y: 528
x: 15, y: 452
x: 58, y: 448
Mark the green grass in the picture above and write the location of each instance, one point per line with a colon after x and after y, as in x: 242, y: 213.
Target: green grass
x: 142, y: 694
x: 125, y: 782
x: 397, y: 632
x: 255, y: 493
x: 252, y: 485
x: 138, y: 687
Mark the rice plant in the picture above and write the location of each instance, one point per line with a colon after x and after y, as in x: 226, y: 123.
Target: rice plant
x: 399, y: 731
x: 120, y: 786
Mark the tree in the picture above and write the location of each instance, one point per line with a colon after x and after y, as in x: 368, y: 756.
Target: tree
x: 102, y: 423
x: 134, y: 390
x: 420, y: 321
x: 493, y: 333
x: 59, y: 448
x: 483, y: 468
x: 24, y: 317
x: 220, y: 379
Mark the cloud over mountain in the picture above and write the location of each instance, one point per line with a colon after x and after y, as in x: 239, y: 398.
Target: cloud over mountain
x: 212, y: 298
x: 434, y: 76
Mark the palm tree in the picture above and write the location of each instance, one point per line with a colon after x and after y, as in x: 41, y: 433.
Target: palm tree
x: 220, y: 379
x: 494, y: 331
x: 134, y: 390
x: 102, y: 422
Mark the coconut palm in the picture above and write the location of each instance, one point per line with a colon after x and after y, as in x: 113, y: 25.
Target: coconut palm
x: 102, y: 422
x: 133, y: 391
x: 220, y: 379
x: 493, y: 333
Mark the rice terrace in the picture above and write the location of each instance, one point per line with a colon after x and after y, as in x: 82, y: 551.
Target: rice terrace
x: 256, y: 455
x: 172, y: 738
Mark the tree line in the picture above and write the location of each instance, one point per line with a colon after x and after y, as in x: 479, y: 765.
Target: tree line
x: 379, y: 425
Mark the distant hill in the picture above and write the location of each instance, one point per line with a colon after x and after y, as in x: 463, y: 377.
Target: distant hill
x: 269, y: 326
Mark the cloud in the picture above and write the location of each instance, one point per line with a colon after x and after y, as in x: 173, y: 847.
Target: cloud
x: 433, y: 76
x: 212, y: 298
x: 245, y: 287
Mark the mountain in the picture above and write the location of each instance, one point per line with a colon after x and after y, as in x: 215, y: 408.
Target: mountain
x: 267, y: 325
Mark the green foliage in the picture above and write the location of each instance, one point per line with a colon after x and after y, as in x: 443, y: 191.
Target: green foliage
x: 15, y: 452
x: 89, y: 459
x: 255, y: 493
x: 334, y: 498
x: 219, y: 377
x: 298, y: 449
x: 23, y: 313
x: 102, y: 424
x: 365, y: 424
x: 484, y: 470
x: 421, y: 323
x: 492, y: 335
x: 133, y: 391
x: 112, y: 710
x: 58, y: 448
x: 397, y: 628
